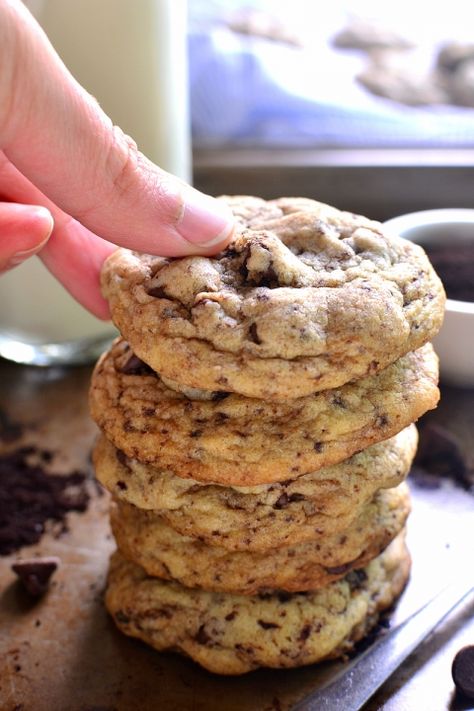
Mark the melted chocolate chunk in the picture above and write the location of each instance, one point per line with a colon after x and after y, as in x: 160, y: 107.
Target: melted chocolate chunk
x: 135, y: 366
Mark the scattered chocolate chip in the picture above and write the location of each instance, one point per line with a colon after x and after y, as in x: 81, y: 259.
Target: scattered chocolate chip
x: 231, y: 616
x: 318, y: 447
x: 195, y: 433
x: 338, y: 401
x: 122, y: 486
x: 135, y: 366
x: 35, y: 573
x: 463, y: 671
x: 381, y: 421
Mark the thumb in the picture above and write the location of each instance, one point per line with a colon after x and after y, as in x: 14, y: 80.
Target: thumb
x: 66, y: 146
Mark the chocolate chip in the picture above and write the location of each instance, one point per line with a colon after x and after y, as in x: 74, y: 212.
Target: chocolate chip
x: 318, y: 447
x: 121, y: 617
x: 282, y: 501
x: 463, y: 671
x: 253, y: 334
x: 35, y: 573
x: 231, y: 616
x: 195, y: 433
x: 121, y: 457
x: 304, y: 634
x: 122, y: 486
x: 381, y: 421
x: 356, y: 578
x: 158, y: 292
x: 268, y: 625
x: 338, y: 569
x: 220, y: 395
x: 338, y: 401
x: 135, y: 366
x: 202, y: 637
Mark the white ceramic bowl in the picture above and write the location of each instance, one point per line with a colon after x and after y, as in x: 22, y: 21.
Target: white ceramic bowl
x: 455, y: 342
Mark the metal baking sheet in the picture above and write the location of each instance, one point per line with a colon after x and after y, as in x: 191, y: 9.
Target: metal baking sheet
x: 63, y: 652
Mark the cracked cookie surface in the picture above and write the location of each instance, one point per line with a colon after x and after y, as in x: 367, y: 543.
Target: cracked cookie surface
x: 305, y: 298
x: 235, y: 440
x: 144, y: 538
x: 233, y: 634
x: 265, y: 516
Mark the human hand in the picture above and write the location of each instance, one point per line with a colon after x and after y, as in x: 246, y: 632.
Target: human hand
x: 67, y: 175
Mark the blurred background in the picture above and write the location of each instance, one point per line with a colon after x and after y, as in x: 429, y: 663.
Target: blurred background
x: 364, y: 104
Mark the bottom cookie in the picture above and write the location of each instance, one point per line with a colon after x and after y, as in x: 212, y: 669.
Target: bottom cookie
x: 233, y: 634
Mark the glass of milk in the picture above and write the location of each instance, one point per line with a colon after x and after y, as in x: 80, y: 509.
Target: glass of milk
x: 132, y: 57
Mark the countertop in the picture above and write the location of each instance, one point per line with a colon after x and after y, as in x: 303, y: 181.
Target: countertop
x: 62, y: 652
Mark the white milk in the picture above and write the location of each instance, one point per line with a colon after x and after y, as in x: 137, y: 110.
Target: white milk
x: 132, y: 57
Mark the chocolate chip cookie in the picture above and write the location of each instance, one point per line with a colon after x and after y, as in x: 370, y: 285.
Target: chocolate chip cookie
x: 305, y: 298
x: 233, y: 634
x: 265, y: 516
x: 242, y: 441
x: 146, y: 539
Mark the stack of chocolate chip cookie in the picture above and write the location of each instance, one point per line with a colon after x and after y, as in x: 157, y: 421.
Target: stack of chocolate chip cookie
x: 257, y: 430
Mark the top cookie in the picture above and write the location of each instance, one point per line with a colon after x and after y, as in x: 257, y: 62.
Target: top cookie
x: 304, y: 299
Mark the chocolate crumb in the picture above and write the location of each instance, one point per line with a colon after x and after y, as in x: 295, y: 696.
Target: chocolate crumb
x: 35, y: 573
x: 31, y: 499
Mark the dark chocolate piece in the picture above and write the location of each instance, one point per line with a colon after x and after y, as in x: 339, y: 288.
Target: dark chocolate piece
x: 35, y: 573
x: 463, y: 671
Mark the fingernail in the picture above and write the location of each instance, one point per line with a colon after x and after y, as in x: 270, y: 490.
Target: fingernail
x: 45, y: 225
x: 205, y: 220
